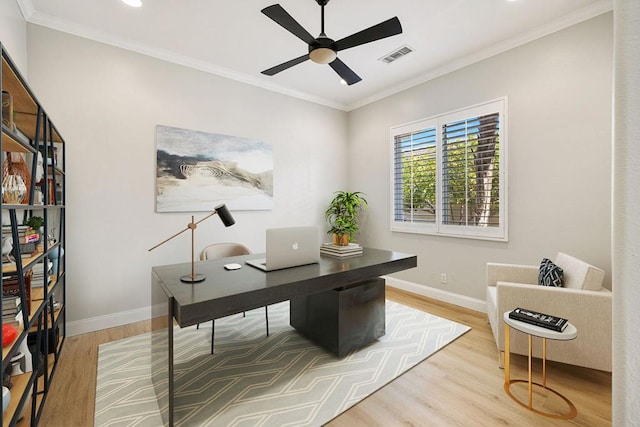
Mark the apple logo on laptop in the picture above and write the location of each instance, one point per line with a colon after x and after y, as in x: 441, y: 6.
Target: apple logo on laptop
x: 294, y: 246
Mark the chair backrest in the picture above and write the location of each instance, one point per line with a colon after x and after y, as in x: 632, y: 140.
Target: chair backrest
x: 222, y: 250
x: 579, y: 274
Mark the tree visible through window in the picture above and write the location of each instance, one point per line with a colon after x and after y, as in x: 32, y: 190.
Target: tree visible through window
x: 448, y: 174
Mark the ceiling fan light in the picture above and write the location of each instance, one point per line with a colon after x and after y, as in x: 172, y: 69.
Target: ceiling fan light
x: 323, y: 55
x: 133, y: 3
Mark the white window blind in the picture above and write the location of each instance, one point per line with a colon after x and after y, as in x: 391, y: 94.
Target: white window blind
x: 448, y: 174
x: 415, y: 176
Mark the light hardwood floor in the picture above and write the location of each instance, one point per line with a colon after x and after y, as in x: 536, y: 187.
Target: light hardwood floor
x: 461, y: 385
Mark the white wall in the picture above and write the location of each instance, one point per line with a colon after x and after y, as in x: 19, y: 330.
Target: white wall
x: 559, y: 91
x: 13, y: 33
x: 626, y: 222
x: 106, y: 102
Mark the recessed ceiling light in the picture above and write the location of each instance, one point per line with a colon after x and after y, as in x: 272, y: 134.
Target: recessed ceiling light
x: 343, y: 81
x: 133, y: 3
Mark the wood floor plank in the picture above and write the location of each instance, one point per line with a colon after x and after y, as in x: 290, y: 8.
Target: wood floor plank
x: 460, y: 385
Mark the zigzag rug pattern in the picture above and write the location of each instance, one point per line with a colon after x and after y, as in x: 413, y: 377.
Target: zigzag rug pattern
x: 255, y: 380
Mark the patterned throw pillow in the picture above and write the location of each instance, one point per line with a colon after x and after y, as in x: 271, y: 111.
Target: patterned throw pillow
x: 550, y: 274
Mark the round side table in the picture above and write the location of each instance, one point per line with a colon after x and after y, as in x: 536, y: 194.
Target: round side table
x: 569, y: 333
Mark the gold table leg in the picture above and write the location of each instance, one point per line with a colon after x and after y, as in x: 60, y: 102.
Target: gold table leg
x: 544, y: 362
x: 508, y: 381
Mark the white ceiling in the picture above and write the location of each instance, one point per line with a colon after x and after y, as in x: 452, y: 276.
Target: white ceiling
x: 233, y: 39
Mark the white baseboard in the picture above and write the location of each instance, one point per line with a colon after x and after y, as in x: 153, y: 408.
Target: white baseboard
x: 78, y: 327
x: 438, y: 294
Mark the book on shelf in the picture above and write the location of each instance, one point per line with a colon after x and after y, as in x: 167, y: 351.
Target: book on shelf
x: 10, y: 302
x: 13, y: 319
x: 543, y: 320
x: 11, y: 311
x: 11, y: 288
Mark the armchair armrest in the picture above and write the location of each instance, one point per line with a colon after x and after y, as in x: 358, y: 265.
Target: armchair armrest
x: 525, y: 274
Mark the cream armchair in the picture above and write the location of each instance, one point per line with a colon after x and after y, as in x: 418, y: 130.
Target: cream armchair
x: 582, y: 300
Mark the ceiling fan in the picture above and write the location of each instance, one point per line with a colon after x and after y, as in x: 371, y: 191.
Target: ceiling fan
x: 323, y: 50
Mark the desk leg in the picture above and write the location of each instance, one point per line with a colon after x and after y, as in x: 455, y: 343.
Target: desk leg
x: 162, y: 374
x: 170, y: 361
x: 530, y: 376
x: 342, y: 320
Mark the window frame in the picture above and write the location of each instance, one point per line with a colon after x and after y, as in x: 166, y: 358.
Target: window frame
x: 438, y: 228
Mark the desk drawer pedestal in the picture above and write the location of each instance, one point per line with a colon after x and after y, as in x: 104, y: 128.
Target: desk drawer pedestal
x: 344, y: 319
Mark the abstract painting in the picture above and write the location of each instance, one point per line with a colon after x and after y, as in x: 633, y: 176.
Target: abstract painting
x: 196, y: 171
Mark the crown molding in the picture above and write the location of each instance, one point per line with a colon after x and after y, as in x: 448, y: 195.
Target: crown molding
x: 38, y: 18
x: 576, y: 17
x: 34, y: 17
x: 26, y: 8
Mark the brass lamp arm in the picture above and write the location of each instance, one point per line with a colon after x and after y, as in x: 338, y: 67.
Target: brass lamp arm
x: 191, y: 226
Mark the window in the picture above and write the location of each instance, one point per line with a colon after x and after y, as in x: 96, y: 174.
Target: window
x: 449, y: 174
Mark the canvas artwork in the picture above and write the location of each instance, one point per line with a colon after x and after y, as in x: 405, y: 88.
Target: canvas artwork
x: 196, y: 171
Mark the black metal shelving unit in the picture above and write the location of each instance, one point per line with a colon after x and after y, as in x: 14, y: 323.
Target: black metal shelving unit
x: 27, y: 130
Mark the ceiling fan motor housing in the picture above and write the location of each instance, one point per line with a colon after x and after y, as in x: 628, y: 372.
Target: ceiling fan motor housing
x: 323, y: 50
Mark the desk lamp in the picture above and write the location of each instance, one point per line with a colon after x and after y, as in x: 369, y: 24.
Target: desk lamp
x: 227, y: 220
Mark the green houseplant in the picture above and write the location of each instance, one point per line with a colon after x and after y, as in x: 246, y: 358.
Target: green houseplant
x: 343, y: 213
x: 35, y: 222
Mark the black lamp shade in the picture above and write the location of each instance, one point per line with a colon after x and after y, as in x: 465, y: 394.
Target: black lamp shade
x: 225, y: 215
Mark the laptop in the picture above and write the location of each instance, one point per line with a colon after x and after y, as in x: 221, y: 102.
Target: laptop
x: 289, y: 247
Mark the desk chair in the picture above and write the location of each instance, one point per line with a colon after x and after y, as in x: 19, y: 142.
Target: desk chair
x: 223, y: 250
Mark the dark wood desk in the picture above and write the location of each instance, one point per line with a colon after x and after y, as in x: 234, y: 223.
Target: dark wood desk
x: 310, y: 288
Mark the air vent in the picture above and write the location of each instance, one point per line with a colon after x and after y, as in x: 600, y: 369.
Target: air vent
x: 396, y: 54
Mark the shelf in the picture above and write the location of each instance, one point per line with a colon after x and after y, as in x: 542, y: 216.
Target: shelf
x: 37, y: 293
x: 19, y: 386
x: 31, y: 132
x: 23, y: 102
x: 7, y: 349
x: 27, y: 263
x: 25, y: 107
x: 10, y: 142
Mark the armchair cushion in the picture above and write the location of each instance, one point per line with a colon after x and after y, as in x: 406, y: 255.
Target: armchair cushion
x: 550, y: 274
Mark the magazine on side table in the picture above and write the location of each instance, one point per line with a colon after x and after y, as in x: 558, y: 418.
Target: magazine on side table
x: 554, y: 323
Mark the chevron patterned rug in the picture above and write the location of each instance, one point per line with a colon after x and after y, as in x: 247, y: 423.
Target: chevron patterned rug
x: 255, y: 380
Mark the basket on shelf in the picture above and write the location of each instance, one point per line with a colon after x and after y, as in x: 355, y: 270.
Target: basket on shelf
x: 28, y: 248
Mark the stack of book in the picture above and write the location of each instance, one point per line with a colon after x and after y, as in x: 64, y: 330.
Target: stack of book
x: 39, y: 276
x: 352, y: 249
x: 11, y: 290
x: 12, y: 311
x: 27, y: 239
x: 547, y: 321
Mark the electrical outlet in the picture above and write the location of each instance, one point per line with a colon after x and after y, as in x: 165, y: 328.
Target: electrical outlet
x: 443, y: 278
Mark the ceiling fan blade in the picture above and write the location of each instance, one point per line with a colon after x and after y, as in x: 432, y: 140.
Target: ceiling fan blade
x: 286, y: 21
x: 345, y: 72
x: 385, y: 29
x: 285, y: 65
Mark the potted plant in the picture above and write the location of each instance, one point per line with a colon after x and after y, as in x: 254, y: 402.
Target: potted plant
x: 35, y: 223
x: 343, y: 214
